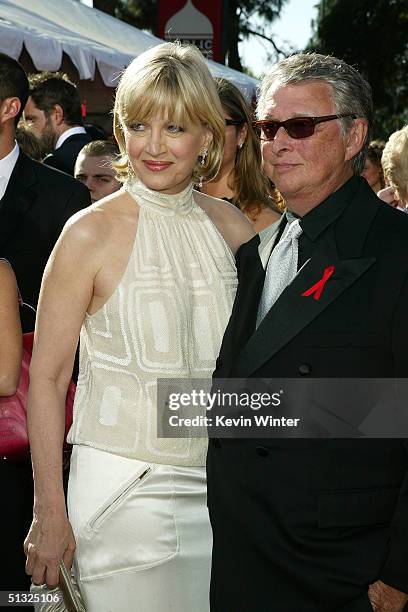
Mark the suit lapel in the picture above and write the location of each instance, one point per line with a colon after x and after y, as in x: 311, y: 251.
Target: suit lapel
x: 17, y: 199
x: 292, y: 312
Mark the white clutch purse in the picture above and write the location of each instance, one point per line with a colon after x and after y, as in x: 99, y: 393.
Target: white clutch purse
x: 64, y: 598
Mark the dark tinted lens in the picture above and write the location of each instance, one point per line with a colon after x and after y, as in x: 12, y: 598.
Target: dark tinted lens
x: 266, y: 130
x: 300, y: 128
x: 269, y: 130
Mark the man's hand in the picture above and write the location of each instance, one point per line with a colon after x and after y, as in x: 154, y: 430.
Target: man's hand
x: 384, y: 598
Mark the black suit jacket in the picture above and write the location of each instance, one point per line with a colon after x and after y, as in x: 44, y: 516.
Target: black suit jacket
x: 306, y: 525
x: 64, y: 157
x: 37, y: 203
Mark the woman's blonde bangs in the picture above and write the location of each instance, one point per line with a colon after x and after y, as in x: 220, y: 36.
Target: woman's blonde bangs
x: 170, y: 81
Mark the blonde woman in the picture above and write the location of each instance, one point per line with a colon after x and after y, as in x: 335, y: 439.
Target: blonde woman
x: 147, y: 276
x: 241, y: 179
x: 394, y: 162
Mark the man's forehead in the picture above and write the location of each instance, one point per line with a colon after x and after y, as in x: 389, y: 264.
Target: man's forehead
x: 101, y: 164
x: 31, y: 107
x: 302, y: 98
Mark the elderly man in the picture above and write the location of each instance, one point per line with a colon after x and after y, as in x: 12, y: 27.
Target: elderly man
x: 315, y: 525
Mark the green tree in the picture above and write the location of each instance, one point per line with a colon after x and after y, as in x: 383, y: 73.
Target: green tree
x: 240, y: 17
x: 373, y: 36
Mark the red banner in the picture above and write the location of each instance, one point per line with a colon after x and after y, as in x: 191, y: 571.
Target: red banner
x: 194, y: 21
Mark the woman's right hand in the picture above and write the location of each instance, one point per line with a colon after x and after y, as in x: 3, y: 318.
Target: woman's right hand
x: 49, y: 541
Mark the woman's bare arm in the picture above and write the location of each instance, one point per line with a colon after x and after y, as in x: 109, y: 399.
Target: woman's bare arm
x: 10, y: 331
x: 66, y: 292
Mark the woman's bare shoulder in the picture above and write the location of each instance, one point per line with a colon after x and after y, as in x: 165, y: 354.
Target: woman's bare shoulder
x: 92, y: 226
x: 229, y: 220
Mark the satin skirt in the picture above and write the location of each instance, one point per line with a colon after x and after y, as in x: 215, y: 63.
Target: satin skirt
x: 142, y: 532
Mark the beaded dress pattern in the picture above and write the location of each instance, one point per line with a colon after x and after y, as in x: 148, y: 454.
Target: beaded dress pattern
x: 165, y: 319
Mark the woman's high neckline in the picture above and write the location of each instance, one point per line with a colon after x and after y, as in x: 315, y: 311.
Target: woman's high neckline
x: 168, y: 205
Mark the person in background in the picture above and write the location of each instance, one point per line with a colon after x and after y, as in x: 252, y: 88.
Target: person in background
x: 53, y: 112
x: 395, y: 166
x: 28, y: 141
x: 147, y: 276
x: 373, y: 172
x: 93, y: 168
x: 10, y: 337
x: 241, y: 179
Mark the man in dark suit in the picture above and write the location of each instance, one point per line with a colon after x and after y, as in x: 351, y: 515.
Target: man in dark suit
x: 53, y: 112
x: 315, y: 525
x: 35, y: 203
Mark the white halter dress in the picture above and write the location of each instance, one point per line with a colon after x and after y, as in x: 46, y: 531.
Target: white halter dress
x: 137, y: 503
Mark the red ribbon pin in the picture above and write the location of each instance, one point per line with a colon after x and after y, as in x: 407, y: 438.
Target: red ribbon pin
x: 318, y: 287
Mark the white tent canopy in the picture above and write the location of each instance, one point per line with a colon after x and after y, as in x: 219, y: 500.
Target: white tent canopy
x: 48, y: 28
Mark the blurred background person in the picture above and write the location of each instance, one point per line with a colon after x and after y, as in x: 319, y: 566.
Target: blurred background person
x: 241, y: 179
x: 93, y: 168
x: 373, y: 172
x: 395, y: 166
x: 53, y: 112
x: 11, y: 340
x: 28, y: 141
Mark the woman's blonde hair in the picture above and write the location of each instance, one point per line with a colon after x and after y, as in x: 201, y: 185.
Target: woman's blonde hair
x: 395, y: 162
x: 252, y: 189
x: 171, y: 80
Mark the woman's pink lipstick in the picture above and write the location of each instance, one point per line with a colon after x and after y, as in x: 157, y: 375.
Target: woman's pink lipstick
x: 156, y: 166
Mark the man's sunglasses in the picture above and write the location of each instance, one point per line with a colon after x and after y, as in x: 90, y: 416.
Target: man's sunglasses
x: 298, y: 127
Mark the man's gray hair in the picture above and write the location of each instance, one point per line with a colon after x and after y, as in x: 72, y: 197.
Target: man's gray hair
x: 351, y: 92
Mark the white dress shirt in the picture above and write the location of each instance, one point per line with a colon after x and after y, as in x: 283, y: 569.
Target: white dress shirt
x: 6, y: 168
x: 70, y: 132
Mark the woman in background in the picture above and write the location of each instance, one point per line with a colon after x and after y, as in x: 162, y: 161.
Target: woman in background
x: 147, y: 275
x: 373, y: 172
x: 240, y: 179
x: 395, y: 166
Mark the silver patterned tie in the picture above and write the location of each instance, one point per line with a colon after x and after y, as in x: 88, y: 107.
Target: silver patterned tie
x: 281, y: 268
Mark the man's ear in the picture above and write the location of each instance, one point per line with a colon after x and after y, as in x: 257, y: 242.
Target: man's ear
x: 355, y: 138
x: 9, y: 109
x: 58, y: 114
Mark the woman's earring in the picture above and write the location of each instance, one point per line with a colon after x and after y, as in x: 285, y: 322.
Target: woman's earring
x: 203, y: 157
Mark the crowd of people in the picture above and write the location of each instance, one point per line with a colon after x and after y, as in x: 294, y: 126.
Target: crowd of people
x: 202, y: 238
